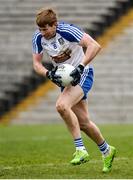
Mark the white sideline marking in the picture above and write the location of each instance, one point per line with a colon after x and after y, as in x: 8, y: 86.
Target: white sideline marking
x: 52, y: 164
x: 34, y: 138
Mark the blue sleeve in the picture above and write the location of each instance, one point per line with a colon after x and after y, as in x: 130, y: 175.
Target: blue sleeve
x: 70, y: 32
x: 36, y: 43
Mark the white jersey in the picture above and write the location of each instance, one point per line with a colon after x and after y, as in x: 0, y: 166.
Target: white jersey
x: 67, y: 38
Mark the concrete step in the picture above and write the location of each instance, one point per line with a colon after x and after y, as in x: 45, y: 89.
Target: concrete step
x: 72, y: 10
x: 98, y: 106
x: 96, y: 116
x: 29, y: 20
x: 60, y: 3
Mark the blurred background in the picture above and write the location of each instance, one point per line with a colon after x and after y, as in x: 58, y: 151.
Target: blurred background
x: 26, y: 98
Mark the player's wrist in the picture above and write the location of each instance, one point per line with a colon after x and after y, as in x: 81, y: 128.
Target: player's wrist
x: 47, y: 73
x: 81, y: 68
x: 82, y: 64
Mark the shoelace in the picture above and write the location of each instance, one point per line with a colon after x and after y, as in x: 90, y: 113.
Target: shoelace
x: 77, y: 153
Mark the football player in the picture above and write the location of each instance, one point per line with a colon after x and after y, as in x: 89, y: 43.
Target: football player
x: 64, y: 43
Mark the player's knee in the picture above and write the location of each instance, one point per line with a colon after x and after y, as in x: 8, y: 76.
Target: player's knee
x: 84, y: 124
x: 61, y: 107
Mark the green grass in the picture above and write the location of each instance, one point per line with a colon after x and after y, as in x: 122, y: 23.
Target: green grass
x: 44, y: 152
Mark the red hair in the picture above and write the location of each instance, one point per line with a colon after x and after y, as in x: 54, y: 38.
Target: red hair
x: 46, y: 16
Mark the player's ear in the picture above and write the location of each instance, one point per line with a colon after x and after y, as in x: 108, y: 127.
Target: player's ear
x: 55, y: 23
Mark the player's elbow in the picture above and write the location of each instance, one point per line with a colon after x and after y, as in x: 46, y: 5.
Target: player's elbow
x: 97, y: 47
x: 35, y: 67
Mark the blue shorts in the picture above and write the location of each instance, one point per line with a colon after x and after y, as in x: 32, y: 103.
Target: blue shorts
x: 86, y: 81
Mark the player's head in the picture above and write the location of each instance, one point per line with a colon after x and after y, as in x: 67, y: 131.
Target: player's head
x: 46, y: 20
x: 46, y: 17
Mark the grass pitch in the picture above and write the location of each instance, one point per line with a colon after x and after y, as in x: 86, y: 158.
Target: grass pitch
x: 44, y: 152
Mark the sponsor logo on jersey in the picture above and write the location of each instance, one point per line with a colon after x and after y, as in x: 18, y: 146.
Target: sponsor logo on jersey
x: 54, y: 44
x: 44, y: 44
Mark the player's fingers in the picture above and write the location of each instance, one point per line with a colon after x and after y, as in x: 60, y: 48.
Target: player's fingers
x: 57, y: 76
x: 55, y: 69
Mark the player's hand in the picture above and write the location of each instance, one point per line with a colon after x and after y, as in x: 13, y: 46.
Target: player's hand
x: 76, y: 74
x: 53, y: 77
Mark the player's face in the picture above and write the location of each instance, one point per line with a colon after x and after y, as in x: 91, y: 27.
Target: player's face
x: 48, y: 32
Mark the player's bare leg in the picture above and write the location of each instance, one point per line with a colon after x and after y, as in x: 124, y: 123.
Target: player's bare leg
x: 108, y: 152
x: 86, y: 125
x: 67, y: 99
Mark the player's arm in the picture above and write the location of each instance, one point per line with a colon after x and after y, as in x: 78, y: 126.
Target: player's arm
x: 41, y: 70
x: 92, y: 48
x: 37, y: 52
x: 37, y: 64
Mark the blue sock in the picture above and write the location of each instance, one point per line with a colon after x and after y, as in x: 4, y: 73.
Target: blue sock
x: 79, y: 144
x: 104, y: 148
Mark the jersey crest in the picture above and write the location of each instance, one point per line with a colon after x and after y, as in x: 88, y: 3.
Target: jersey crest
x: 61, y: 41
